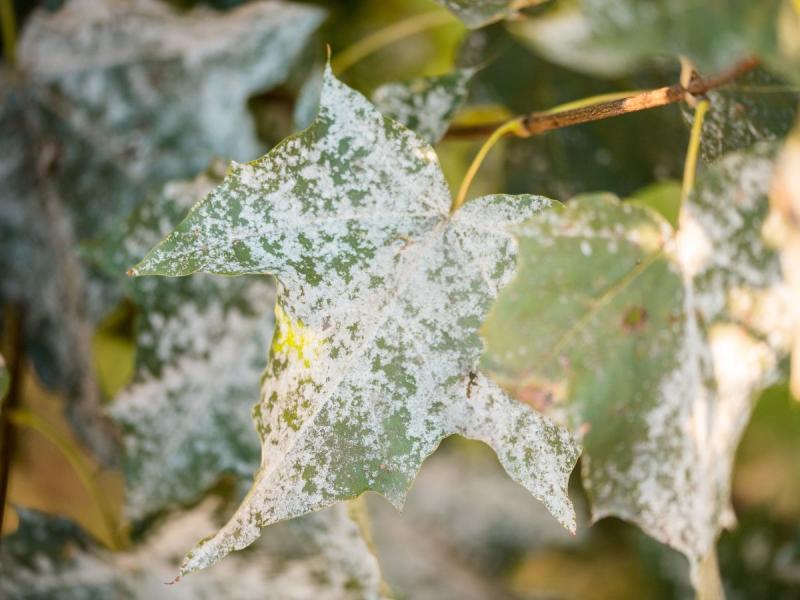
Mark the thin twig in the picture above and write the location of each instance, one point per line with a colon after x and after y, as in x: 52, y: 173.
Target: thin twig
x: 540, y: 122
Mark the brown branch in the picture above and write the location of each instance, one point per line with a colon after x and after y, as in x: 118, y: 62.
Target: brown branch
x: 540, y: 122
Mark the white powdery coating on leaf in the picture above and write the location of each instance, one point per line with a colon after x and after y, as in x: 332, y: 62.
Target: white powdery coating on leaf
x: 323, y: 557
x: 425, y: 105
x: 381, y: 295
x: 179, y: 422
x: 683, y: 469
x: 137, y: 78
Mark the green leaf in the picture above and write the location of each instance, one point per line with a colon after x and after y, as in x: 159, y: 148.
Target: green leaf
x: 425, y: 105
x: 611, y: 37
x: 321, y: 556
x: 663, y: 197
x: 201, y: 348
x: 651, y: 345
x: 381, y: 292
x: 477, y: 13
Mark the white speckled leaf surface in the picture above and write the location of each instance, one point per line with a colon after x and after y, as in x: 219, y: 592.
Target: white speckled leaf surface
x: 652, y: 345
x: 380, y: 296
x: 111, y: 99
x: 321, y: 556
x: 202, y: 346
x: 425, y: 105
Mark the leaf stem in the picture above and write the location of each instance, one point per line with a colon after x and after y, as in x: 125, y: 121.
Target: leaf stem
x: 514, y: 126
x: 539, y: 122
x: 387, y: 36
x: 707, y: 580
x: 509, y: 127
x: 22, y: 417
x: 690, y: 165
x: 8, y: 27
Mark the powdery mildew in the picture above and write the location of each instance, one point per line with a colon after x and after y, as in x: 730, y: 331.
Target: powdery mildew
x: 380, y: 296
x: 662, y: 414
x: 323, y: 556
x: 425, y: 105
x: 201, y: 349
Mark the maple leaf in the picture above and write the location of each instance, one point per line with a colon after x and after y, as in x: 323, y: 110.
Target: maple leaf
x: 651, y: 344
x: 381, y: 291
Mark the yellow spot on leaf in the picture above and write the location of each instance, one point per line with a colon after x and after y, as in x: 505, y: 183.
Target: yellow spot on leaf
x: 293, y: 339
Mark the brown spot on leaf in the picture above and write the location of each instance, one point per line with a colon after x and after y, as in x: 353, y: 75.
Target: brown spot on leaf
x: 539, y: 393
x: 634, y: 320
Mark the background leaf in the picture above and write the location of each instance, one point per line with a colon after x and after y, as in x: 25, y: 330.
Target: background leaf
x: 476, y: 13
x: 201, y: 349
x: 322, y: 556
x: 427, y: 105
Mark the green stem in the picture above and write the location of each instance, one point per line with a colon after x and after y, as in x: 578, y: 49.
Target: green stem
x: 690, y: 166
x: 22, y: 417
x: 504, y: 129
x: 8, y: 27
x: 388, y: 35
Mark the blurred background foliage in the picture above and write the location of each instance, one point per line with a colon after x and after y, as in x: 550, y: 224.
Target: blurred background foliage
x: 468, y: 531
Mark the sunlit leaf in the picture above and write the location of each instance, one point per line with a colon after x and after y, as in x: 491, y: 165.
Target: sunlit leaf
x: 784, y: 233
x: 380, y: 295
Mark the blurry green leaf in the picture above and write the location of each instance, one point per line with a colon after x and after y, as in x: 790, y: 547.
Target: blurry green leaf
x: 663, y: 197
x: 380, y: 296
x: 112, y: 99
x: 610, y: 37
x: 307, y: 104
x: 650, y: 345
x: 476, y: 13
x: 755, y: 108
x: 201, y: 348
x: 427, y: 105
x: 320, y: 556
